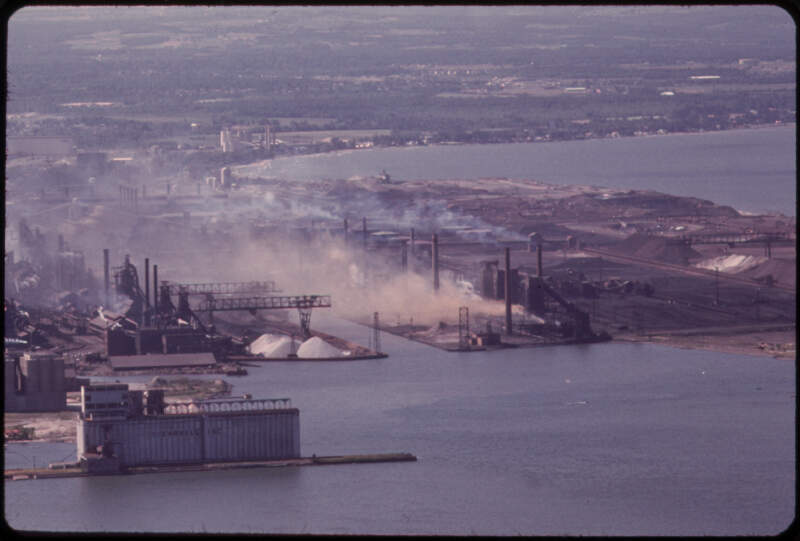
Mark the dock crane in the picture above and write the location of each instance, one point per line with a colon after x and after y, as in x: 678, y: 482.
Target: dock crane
x: 169, y: 313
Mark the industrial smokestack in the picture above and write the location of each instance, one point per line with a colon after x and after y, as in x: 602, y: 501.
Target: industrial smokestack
x: 435, y: 257
x: 508, y: 291
x: 412, y: 240
x: 364, y: 230
x: 146, y: 290
x: 155, y: 289
x: 346, y: 231
x: 105, y: 273
x: 539, y: 259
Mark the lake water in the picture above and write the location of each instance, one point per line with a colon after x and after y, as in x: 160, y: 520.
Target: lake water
x: 602, y: 439
x: 751, y: 170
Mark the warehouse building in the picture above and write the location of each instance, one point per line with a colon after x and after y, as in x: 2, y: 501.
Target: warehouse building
x: 120, y: 428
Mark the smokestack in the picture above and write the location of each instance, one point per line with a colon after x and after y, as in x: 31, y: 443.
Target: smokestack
x: 412, y: 240
x: 508, y: 291
x: 105, y: 273
x: 146, y: 290
x: 155, y: 288
x: 435, y: 257
x: 346, y: 230
x: 364, y: 229
x: 539, y: 259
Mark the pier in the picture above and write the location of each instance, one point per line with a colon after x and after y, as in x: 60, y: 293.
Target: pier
x: 70, y: 470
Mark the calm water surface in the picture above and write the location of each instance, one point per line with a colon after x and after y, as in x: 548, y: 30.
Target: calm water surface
x: 600, y: 439
x: 750, y: 169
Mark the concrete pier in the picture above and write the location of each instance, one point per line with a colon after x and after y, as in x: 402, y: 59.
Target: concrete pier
x: 61, y: 473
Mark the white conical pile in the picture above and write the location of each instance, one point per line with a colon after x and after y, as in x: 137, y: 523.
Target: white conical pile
x: 273, y: 346
x: 317, y: 348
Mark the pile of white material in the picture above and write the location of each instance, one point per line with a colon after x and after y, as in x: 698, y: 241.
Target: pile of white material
x: 733, y: 263
x: 317, y: 348
x: 273, y: 346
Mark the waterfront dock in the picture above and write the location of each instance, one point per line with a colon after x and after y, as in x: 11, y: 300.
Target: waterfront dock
x: 75, y: 471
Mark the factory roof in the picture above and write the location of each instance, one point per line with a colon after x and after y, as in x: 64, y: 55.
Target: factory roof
x: 133, y: 362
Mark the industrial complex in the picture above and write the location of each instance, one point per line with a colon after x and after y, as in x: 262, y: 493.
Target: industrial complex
x: 130, y: 273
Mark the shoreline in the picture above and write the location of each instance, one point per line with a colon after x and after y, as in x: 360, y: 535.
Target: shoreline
x: 780, y: 344
x: 267, y: 163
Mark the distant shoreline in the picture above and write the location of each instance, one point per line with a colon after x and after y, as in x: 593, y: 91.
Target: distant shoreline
x: 342, y: 152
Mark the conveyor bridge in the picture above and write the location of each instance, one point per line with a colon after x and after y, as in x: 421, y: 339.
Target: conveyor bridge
x: 220, y: 288
x: 264, y: 303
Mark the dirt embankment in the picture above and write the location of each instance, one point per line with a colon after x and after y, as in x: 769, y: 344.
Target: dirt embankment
x: 780, y: 344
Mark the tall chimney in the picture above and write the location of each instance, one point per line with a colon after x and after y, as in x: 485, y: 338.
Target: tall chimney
x: 346, y: 231
x: 105, y: 273
x: 435, y: 257
x: 364, y: 229
x: 147, y: 290
x: 413, y: 237
x: 539, y: 259
x: 155, y: 289
x: 508, y: 291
